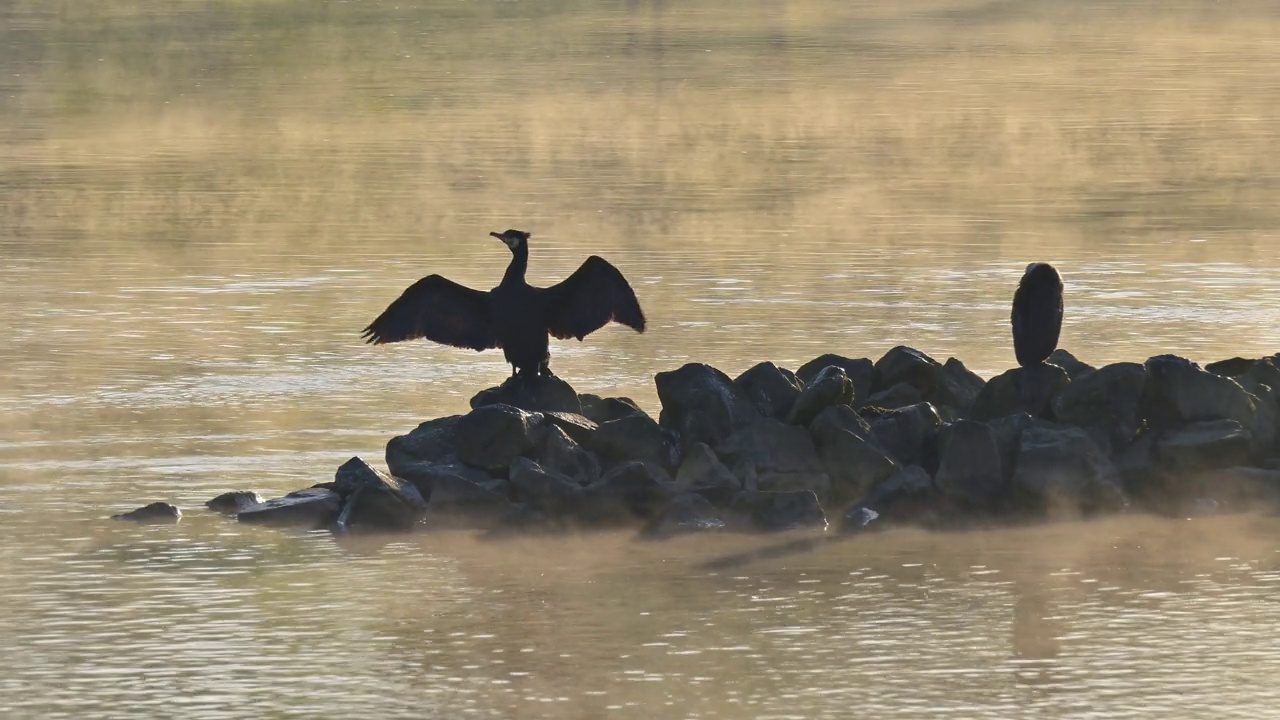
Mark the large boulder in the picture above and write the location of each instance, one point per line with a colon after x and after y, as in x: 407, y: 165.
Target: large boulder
x: 491, y: 436
x: 429, y: 442
x: 372, y: 499
x: 839, y: 417
x: 532, y: 394
x: 970, y: 467
x: 551, y: 493
x: 230, y: 503
x: 603, y: 409
x: 687, y: 513
x: 560, y: 453
x: 777, y: 511
x: 908, y: 497
x: 830, y: 387
x: 1062, y: 470
x: 636, y: 437
x: 631, y: 490
x: 703, y: 404
x: 860, y: 371
x: 1179, y: 392
x: 1109, y: 398
x: 854, y: 462
x: 455, y: 500
x: 772, y: 389
x: 1030, y: 390
x: 958, y: 386
x: 1204, y: 445
x: 891, y: 398
x: 578, y: 427
x: 903, y: 432
x: 156, y: 513
x: 778, y: 456
x: 908, y: 365
x: 1074, y: 367
x: 308, y: 509
x: 702, y: 472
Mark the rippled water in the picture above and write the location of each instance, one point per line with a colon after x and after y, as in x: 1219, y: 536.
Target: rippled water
x: 201, y: 204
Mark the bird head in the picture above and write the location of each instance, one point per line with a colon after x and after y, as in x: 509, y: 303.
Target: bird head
x: 513, y: 238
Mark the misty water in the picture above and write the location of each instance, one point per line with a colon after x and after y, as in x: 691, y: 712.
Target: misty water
x: 202, y: 203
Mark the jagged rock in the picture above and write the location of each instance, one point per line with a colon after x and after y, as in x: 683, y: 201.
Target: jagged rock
x: 891, y: 398
x: 155, y: 513
x: 854, y: 462
x: 531, y: 394
x: 860, y: 371
x: 491, y: 436
x: 903, y: 432
x: 1179, y: 392
x: 309, y: 509
x: 688, y: 513
x: 631, y: 490
x: 1065, y: 360
x: 560, y: 453
x: 545, y: 491
x: 429, y: 442
x: 376, y: 500
x: 775, y: 511
x: 1061, y: 469
x: 230, y: 503
x: 779, y: 456
x: 772, y: 389
x: 969, y: 466
x: 830, y: 387
x: 702, y: 472
x: 1109, y: 398
x: 703, y: 404
x: 958, y: 386
x: 1028, y: 390
x: 636, y: 437
x: 907, y: 497
x: 907, y: 365
x: 601, y: 410
x: 1203, y: 445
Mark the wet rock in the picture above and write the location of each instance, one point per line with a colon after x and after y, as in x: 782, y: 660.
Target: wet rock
x: 1203, y: 445
x: 1109, y: 398
x: 776, y: 511
x: 777, y: 455
x: 307, y: 509
x: 531, y: 394
x: 453, y: 500
x: 703, y: 404
x: 560, y: 453
x: 908, y: 497
x: 1028, y: 390
x: 903, y: 432
x: 603, y: 409
x: 859, y: 518
x: 891, y: 398
x: 970, y: 468
x: 907, y: 365
x: 830, y: 387
x: 772, y: 389
x: 376, y: 500
x: 687, y: 513
x: 1065, y: 360
x: 155, y: 513
x: 860, y: 371
x: 839, y: 417
x: 230, y: 503
x: 1061, y: 469
x: 429, y: 442
x: 545, y: 491
x: 702, y: 472
x: 630, y: 490
x: 636, y: 437
x: 575, y: 426
x: 854, y: 462
x: 1179, y: 392
x: 491, y: 436
x: 423, y: 470
x: 958, y: 386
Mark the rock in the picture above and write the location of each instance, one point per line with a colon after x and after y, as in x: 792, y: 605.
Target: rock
x: 1028, y: 390
x: 423, y: 471
x: 970, y: 468
x: 1109, y: 398
x: 561, y: 454
x: 1061, y: 469
x: 575, y: 426
x: 776, y: 511
x: 429, y: 442
x: 230, y: 503
x: 376, y: 500
x: 1178, y: 392
x: 908, y: 497
x: 630, y: 490
x: 859, y: 518
x: 636, y: 437
x: 854, y: 462
x: 687, y: 513
x: 772, y: 390
x: 1065, y: 360
x: 830, y: 387
x: 1242, y: 489
x: 531, y: 394
x: 1204, y: 445
x: 491, y: 436
x: 892, y: 398
x: 702, y: 472
x: 1233, y: 368
x: 454, y: 500
x: 779, y: 456
x: 703, y: 404
x: 155, y: 513
x: 839, y: 417
x: 958, y: 386
x: 308, y: 509
x: 545, y: 491
x: 903, y: 432
x: 603, y: 409
x: 907, y: 365
x: 860, y: 371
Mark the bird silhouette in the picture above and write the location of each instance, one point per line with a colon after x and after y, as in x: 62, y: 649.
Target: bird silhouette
x: 1037, y: 314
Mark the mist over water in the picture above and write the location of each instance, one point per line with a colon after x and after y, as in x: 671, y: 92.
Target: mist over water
x: 201, y: 204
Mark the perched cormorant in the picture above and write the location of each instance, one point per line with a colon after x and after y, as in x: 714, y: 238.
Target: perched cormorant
x: 1037, y: 314
x: 514, y: 316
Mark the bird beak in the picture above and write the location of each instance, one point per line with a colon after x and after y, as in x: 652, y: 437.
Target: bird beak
x: 498, y: 235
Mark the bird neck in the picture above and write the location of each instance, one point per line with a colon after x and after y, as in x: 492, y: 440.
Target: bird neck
x: 519, y: 263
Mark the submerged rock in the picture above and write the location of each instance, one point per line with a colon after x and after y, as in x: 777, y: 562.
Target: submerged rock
x: 308, y: 509
x: 230, y: 503
x: 830, y: 387
x: 772, y: 389
x: 1109, y: 398
x: 636, y: 437
x: 491, y: 436
x: 776, y: 511
x: 860, y: 371
x: 155, y: 513
x: 531, y: 394
x: 703, y: 404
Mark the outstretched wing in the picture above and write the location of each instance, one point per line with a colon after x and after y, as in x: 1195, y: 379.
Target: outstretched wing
x: 592, y: 296
x: 436, y: 309
x: 1037, y: 314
